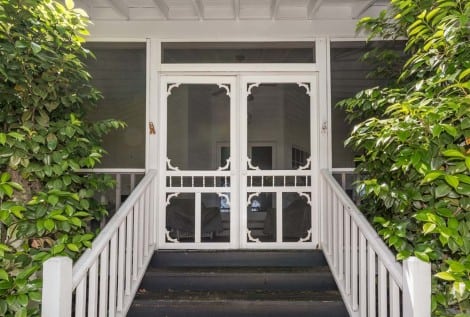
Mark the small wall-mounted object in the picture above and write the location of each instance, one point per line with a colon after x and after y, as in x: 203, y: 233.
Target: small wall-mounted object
x: 324, y: 127
x: 152, y: 128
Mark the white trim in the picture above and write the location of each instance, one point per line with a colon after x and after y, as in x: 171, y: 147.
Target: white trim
x: 211, y: 68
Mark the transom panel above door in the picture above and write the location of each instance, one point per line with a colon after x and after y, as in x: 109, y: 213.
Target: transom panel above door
x: 238, y: 162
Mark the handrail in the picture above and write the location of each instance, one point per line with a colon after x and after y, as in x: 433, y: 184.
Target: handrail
x: 366, y: 272
x: 84, y: 262
x: 113, y: 170
x: 368, y: 231
x: 106, y: 277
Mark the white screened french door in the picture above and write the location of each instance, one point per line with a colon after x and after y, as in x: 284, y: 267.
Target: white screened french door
x: 238, y: 162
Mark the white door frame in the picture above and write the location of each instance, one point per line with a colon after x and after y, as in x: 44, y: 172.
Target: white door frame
x: 238, y: 172
x: 309, y: 81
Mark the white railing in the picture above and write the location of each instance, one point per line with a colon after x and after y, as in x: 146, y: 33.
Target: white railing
x: 126, y: 179
x: 371, y: 281
x: 104, y: 280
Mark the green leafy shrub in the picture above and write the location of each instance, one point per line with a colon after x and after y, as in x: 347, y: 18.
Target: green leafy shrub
x: 46, y: 206
x: 414, y: 144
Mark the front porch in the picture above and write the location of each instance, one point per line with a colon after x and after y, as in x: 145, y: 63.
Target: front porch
x: 106, y: 278
x: 231, y: 145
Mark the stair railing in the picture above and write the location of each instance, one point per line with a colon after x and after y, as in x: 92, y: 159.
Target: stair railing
x: 370, y: 279
x: 106, y: 277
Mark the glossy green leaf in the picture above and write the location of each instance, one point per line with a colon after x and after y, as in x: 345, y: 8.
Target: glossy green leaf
x: 453, y: 153
x: 452, y: 180
x: 3, y: 275
x: 445, y: 276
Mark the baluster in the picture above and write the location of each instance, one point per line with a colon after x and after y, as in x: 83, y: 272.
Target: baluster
x: 371, y: 281
x: 129, y: 251
x: 347, y: 256
x: 383, y: 287
x: 80, y: 298
x: 114, y: 256
x: 354, y: 275
x: 93, y: 289
x: 132, y: 182
x: 395, y: 306
x: 103, y: 289
x: 121, y: 267
x: 118, y: 191
x: 362, y: 275
x: 340, y: 240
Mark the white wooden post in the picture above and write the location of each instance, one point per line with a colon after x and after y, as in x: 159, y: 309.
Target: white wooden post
x: 416, y: 288
x: 57, y: 287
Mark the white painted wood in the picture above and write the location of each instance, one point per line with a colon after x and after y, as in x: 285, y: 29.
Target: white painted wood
x: 416, y: 288
x: 114, y: 253
x: 140, y: 239
x: 371, y: 282
x: 129, y: 252
x: 279, y: 221
x: 219, y: 10
x: 163, y: 7
x: 382, y: 251
x: 340, y: 229
x: 57, y: 287
x: 80, y: 299
x: 93, y: 290
x: 375, y: 288
x: 313, y: 7
x: 135, y: 239
x: 362, y: 275
x: 147, y: 222
x: 361, y: 7
x: 236, y: 9
x: 121, y: 282
x: 103, y: 283
x: 221, y: 68
x: 199, y: 8
x: 347, y: 253
x: 122, y: 6
x: 226, y: 30
x: 275, y: 8
x: 383, y: 287
x: 108, y: 264
x: 197, y: 215
x: 355, y: 268
x: 395, y: 304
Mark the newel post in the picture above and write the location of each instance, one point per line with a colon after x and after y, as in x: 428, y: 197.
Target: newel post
x: 416, y: 288
x: 57, y: 287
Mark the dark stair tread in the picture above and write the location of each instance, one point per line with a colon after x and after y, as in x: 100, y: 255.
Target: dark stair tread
x: 250, y: 295
x: 239, y: 258
x: 313, y: 280
x: 237, y: 308
x: 238, y: 269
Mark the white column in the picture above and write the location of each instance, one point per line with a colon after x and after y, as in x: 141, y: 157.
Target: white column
x: 416, y: 288
x: 57, y: 287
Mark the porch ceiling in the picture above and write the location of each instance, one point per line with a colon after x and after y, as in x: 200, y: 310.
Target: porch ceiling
x: 160, y: 10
